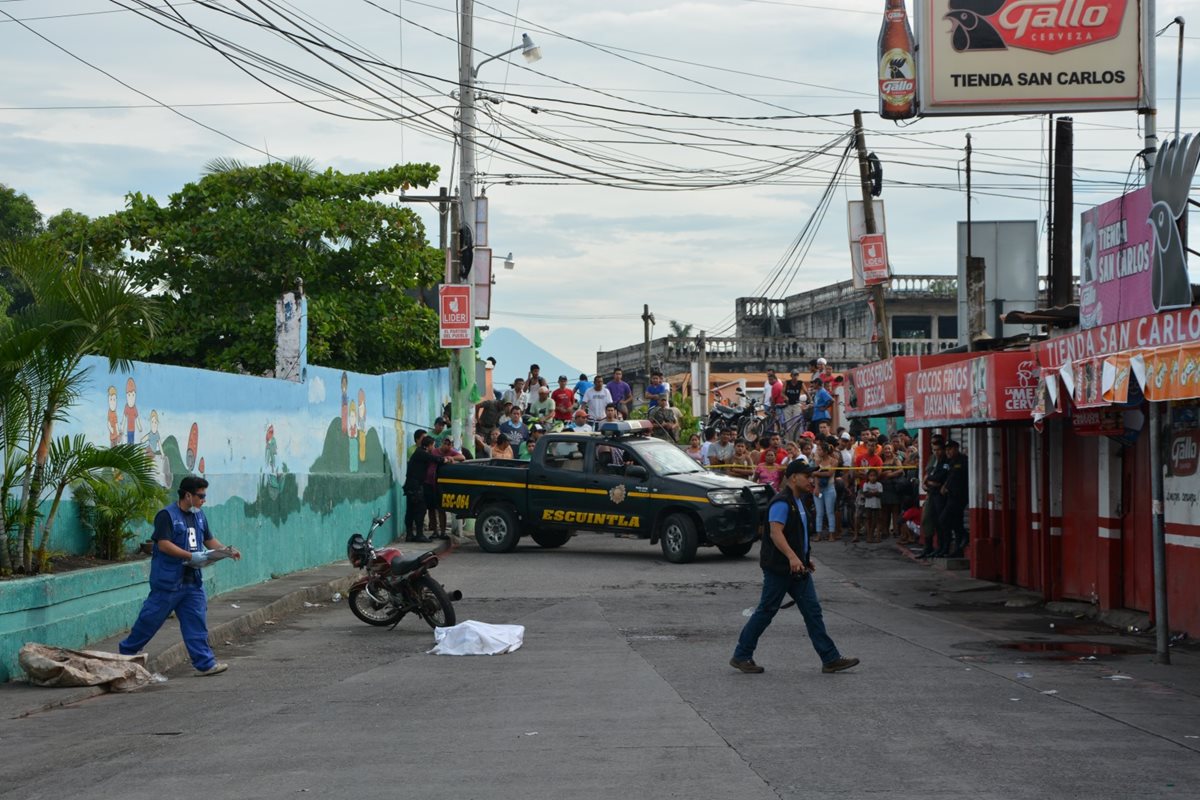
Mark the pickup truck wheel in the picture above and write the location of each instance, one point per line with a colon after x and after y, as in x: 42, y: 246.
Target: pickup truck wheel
x: 679, y: 540
x: 550, y: 538
x: 735, y: 550
x: 496, y: 529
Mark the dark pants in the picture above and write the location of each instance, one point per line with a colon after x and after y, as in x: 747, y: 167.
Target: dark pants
x: 802, y: 591
x: 952, y: 536
x: 414, y: 512
x: 191, y: 608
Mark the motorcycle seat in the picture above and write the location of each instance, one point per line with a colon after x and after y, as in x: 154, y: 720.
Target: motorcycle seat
x: 402, y: 565
x: 725, y: 411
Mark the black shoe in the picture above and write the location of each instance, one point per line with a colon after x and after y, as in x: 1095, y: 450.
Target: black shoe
x: 839, y: 665
x: 408, y: 537
x: 422, y: 539
x: 748, y: 665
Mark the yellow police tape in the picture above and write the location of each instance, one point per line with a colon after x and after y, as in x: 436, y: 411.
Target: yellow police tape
x: 884, y: 468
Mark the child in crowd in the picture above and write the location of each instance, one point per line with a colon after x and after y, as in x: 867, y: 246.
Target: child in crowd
x: 742, y: 466
x: 872, y: 491
x: 768, y: 472
x: 910, y: 523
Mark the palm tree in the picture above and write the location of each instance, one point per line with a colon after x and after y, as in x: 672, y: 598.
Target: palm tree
x: 680, y: 330
x: 75, y: 312
x: 74, y: 460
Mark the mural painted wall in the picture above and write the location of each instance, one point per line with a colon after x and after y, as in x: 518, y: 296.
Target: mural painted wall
x: 291, y: 464
x: 293, y: 470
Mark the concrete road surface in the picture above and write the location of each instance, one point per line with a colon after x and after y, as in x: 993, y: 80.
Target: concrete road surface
x: 623, y: 690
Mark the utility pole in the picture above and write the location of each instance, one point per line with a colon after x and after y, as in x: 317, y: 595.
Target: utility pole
x: 702, y: 372
x: 647, y: 321
x: 1062, y: 261
x: 1162, y: 626
x: 462, y: 361
x: 864, y: 171
x: 975, y: 273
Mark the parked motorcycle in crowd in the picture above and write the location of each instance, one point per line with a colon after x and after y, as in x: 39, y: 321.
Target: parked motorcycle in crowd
x: 395, y: 584
x: 721, y: 417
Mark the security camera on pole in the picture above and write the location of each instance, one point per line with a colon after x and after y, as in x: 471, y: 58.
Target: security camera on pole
x: 462, y: 363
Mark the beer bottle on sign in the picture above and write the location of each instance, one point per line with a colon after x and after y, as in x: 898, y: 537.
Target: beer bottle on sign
x: 897, y: 67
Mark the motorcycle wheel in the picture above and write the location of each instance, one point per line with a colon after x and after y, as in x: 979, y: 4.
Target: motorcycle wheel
x: 433, y: 604
x: 369, y: 611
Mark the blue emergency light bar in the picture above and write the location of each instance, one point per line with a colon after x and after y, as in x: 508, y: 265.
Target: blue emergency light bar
x: 626, y: 427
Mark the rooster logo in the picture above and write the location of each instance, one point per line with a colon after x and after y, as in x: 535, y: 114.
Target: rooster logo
x: 1170, y: 180
x: 969, y: 29
x: 896, y: 68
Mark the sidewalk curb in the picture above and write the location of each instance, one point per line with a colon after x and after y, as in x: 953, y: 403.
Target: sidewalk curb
x: 249, y: 623
x: 239, y: 627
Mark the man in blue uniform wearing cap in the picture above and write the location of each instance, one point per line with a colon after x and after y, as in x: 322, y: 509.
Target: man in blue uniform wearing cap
x: 784, y: 556
x: 181, y: 537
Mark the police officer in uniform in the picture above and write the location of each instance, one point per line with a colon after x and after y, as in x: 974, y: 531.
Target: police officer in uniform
x: 181, y: 535
x: 787, y: 567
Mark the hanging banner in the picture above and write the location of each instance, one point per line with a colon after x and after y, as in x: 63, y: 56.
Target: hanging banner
x: 1168, y: 328
x: 1098, y: 422
x: 1172, y: 373
x: 873, y: 254
x: 1047, y: 399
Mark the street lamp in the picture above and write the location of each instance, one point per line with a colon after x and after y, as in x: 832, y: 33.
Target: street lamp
x: 462, y: 377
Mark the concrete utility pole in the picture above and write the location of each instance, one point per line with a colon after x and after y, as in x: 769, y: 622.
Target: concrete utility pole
x: 864, y: 171
x: 1062, y: 266
x: 462, y: 361
x: 1162, y: 626
x: 647, y: 321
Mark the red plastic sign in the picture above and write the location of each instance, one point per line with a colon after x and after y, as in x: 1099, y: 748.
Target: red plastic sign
x: 454, y: 327
x: 873, y: 247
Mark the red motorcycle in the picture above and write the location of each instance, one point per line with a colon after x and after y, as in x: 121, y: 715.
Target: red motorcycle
x: 395, y: 584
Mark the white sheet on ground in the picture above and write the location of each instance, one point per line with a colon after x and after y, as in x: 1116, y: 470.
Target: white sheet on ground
x: 472, y: 638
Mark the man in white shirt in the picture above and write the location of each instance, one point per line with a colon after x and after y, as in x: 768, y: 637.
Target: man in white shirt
x: 596, y: 399
x: 579, y: 423
x: 517, y: 395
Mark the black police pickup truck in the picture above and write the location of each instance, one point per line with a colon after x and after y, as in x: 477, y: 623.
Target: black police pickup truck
x: 618, y: 480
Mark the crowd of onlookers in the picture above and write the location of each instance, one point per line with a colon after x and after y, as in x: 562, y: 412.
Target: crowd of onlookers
x: 868, y: 484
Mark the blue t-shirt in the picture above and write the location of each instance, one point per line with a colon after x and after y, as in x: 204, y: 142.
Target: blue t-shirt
x: 822, y: 401
x: 778, y: 513
x: 582, y: 386
x: 656, y: 393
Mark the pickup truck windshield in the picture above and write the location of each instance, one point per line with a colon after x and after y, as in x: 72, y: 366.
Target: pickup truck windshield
x: 665, y: 458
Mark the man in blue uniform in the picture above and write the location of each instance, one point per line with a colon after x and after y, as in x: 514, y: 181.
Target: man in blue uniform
x: 784, y: 556
x: 181, y: 536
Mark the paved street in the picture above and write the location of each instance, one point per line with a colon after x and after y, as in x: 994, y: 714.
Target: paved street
x: 623, y: 688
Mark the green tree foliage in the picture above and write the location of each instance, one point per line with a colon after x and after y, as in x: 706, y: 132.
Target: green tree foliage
x: 108, y: 509
x: 223, y: 248
x: 19, y: 220
x: 19, y: 217
x: 680, y: 330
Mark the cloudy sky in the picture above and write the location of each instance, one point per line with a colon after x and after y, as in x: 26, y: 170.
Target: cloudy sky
x: 661, y: 152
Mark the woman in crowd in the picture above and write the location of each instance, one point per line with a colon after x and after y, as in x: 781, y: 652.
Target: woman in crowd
x: 501, y: 447
x: 892, y: 478
x: 828, y: 460
x: 695, y: 450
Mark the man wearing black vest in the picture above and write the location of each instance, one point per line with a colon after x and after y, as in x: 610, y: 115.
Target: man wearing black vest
x: 784, y: 556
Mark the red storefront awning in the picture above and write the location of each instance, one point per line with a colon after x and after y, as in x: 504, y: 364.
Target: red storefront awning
x: 993, y: 387
x: 878, y: 389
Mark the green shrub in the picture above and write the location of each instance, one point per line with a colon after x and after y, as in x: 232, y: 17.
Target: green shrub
x: 108, y: 508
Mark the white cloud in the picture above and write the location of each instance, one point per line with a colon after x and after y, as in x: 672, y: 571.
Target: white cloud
x: 588, y: 256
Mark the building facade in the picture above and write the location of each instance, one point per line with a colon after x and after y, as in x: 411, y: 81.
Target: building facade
x: 832, y: 322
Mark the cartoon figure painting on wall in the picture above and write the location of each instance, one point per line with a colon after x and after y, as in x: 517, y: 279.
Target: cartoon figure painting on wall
x: 114, y: 432
x: 153, y: 441
x: 133, y: 425
x: 362, y: 425
x: 345, y: 401
x: 353, y: 436
x: 272, y: 449
x: 192, y: 445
